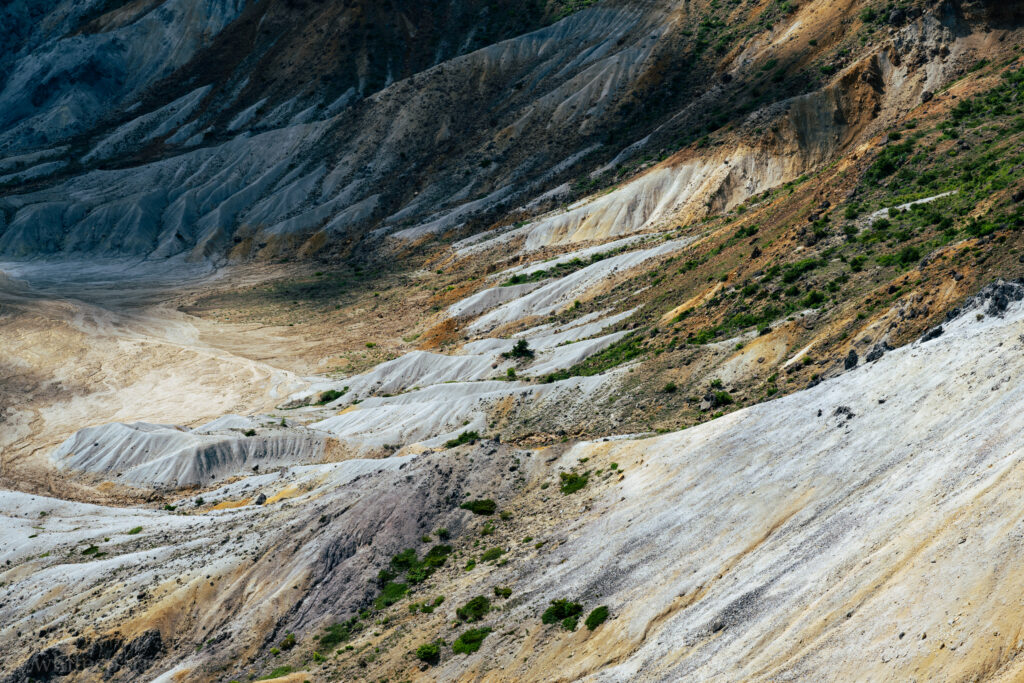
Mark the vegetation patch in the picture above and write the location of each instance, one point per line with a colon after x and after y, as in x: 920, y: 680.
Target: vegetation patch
x: 463, y: 438
x: 339, y: 633
x: 572, y: 482
x: 474, y: 610
x: 564, y: 611
x: 429, y: 652
x: 470, y: 641
x: 484, y: 506
x: 596, y: 617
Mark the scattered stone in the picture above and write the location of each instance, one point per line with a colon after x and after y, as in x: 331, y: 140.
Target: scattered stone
x: 877, y: 351
x: 260, y: 499
x: 931, y: 334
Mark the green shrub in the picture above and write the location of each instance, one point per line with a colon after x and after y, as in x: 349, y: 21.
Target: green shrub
x: 485, y: 506
x: 429, y: 653
x: 722, y: 398
x: 572, y: 482
x: 569, y: 623
x: 169, y: 507
x: 338, y: 633
x: 793, y: 271
x: 474, y: 610
x: 463, y: 438
x: 596, y: 617
x: 404, y: 560
x: 330, y: 395
x: 560, y: 610
x: 491, y: 555
x: 521, y: 349
x: 670, y: 388
x: 135, y: 530
x: 469, y: 642
x: 392, y: 593
x: 288, y: 642
x: 277, y: 673
x: 502, y: 592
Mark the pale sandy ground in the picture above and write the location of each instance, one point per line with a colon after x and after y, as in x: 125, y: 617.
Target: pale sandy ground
x: 79, y: 350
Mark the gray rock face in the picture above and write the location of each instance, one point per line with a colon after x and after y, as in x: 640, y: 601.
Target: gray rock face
x: 170, y: 156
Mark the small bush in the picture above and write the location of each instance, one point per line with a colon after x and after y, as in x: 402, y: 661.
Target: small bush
x: 469, y: 642
x: 521, y: 349
x: 463, y: 438
x: 392, y: 593
x: 429, y: 653
x: 485, y: 506
x: 561, y: 610
x: 330, y: 395
x: 249, y: 432
x: 169, y: 507
x: 474, y: 610
x: 596, y: 617
x: 572, y: 482
x: 722, y: 398
x: 135, y: 530
x: 491, y: 555
x: 670, y: 388
x: 288, y: 642
x: 569, y: 623
x: 502, y: 592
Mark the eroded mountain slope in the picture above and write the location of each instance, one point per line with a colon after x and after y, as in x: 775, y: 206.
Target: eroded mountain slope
x: 798, y: 536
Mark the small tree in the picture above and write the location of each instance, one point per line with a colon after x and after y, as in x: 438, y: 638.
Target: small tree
x: 521, y: 349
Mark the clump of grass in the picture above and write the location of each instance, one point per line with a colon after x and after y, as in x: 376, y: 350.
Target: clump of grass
x: 470, y: 641
x: 502, y: 592
x: 277, y: 673
x: 484, y: 506
x: 135, y: 530
x: 288, y: 642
